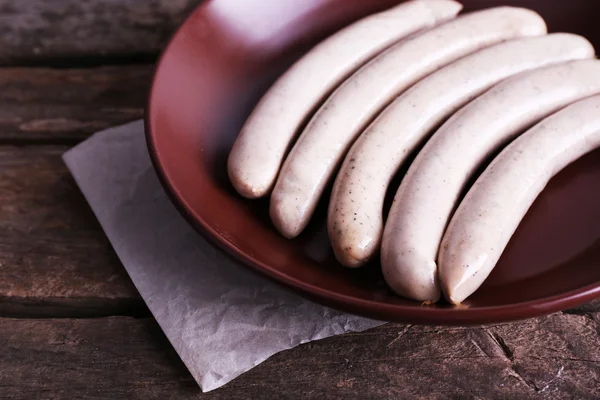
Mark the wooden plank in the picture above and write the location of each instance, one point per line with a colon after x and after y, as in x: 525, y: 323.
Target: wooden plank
x: 105, y: 358
x: 556, y: 356
x: 518, y: 360
x: 86, y: 32
x: 55, y: 260
x: 53, y: 105
x: 54, y: 257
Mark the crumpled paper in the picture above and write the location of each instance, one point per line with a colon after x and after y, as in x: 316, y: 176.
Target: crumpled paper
x: 221, y: 318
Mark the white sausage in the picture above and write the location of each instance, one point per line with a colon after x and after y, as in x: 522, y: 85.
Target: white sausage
x: 434, y: 182
x: 257, y: 154
x: 357, y: 101
x: 355, y: 219
x: 493, y: 208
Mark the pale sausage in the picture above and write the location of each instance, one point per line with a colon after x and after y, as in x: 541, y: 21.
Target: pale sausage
x: 493, y: 208
x: 355, y: 220
x: 260, y: 147
x: 432, y: 187
x: 359, y: 99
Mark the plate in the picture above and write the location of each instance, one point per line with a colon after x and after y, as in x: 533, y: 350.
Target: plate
x: 213, y: 72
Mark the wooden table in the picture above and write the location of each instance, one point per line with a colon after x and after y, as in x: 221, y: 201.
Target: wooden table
x: 73, y: 326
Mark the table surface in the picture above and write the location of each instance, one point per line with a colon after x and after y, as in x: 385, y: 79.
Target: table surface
x: 72, y: 324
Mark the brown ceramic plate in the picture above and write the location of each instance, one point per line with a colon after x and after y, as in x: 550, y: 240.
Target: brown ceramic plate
x: 216, y: 68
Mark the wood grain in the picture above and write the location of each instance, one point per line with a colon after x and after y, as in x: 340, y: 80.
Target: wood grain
x: 86, y: 32
x: 65, y: 106
x: 54, y: 256
x: 553, y: 357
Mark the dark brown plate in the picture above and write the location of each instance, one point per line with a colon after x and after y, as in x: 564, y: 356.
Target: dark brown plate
x: 216, y: 68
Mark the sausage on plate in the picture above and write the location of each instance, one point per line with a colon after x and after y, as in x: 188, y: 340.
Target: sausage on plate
x: 436, y: 179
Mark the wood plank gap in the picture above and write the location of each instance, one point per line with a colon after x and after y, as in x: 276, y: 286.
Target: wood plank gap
x: 87, y: 308
x: 84, y: 62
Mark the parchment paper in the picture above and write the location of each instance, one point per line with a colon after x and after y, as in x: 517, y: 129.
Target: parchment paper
x: 221, y: 318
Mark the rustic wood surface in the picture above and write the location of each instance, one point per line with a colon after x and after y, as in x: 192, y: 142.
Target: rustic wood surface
x: 71, y: 321
x: 66, y: 105
x: 68, y: 33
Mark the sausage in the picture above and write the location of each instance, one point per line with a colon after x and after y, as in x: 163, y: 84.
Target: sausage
x: 433, y: 184
x: 493, y: 208
x: 357, y: 101
x: 355, y: 220
x: 258, y: 151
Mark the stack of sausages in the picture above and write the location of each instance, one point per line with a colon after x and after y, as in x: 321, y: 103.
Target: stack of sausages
x: 455, y: 89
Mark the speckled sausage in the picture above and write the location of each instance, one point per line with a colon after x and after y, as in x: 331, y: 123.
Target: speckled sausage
x: 355, y: 219
x: 493, y: 208
x: 262, y: 143
x: 433, y: 184
x: 324, y: 142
